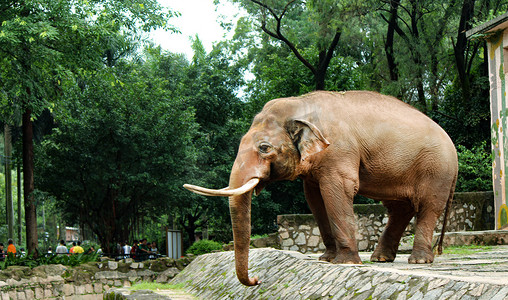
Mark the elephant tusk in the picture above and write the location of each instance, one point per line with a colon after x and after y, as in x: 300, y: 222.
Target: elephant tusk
x: 226, y: 192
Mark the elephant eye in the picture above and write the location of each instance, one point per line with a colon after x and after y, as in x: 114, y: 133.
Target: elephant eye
x: 264, y: 147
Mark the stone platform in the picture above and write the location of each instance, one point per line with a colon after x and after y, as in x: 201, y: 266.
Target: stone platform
x: 292, y: 275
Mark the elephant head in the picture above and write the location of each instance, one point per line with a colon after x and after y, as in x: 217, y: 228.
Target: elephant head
x: 274, y: 148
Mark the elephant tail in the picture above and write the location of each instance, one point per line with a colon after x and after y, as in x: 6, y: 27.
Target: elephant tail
x: 439, y: 242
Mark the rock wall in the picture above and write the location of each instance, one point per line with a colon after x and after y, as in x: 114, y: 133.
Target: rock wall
x: 469, y: 212
x: 86, y: 281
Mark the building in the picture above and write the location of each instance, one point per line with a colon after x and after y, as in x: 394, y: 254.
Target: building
x: 495, y: 32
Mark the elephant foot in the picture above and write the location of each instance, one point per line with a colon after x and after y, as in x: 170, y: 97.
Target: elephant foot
x: 347, y: 257
x: 329, y: 255
x: 421, y: 257
x: 382, y: 257
x: 384, y: 254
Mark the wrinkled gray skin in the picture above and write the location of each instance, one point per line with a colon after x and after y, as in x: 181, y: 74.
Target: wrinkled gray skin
x: 343, y: 144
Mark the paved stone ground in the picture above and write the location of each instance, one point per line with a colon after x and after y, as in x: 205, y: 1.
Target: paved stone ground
x: 291, y: 275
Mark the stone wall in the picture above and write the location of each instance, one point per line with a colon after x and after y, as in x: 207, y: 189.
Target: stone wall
x: 469, y: 212
x: 86, y: 281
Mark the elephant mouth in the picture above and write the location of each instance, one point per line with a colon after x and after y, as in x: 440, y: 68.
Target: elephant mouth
x: 260, y: 187
x: 226, y: 192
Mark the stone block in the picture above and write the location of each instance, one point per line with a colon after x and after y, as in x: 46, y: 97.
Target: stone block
x: 48, y: 293
x: 39, y: 293
x: 313, y: 241
x: 79, y: 290
x: 21, y: 295
x: 13, y: 295
x: 29, y: 294
x: 316, y: 231
x: 287, y: 243
x: 112, y: 265
x: 88, y: 288
x: 97, y: 288
x: 5, y: 296
x: 300, y: 239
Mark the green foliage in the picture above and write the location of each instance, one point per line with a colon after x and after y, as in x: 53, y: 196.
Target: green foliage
x: 121, y: 158
x: 204, y: 246
x: 48, y: 259
x: 475, y: 169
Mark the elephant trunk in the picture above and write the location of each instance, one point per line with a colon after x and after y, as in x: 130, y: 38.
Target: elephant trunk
x: 240, y: 210
x: 239, y: 207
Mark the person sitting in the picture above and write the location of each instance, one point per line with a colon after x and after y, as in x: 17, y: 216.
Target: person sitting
x: 11, y: 248
x: 71, y: 250
x: 78, y: 249
x: 61, y: 249
x: 154, y: 250
x: 2, y: 251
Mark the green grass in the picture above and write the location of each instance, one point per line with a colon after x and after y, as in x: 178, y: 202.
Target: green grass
x: 145, y: 285
x: 464, y: 250
x: 257, y: 236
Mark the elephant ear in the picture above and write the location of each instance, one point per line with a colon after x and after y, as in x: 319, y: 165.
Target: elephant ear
x: 307, y: 138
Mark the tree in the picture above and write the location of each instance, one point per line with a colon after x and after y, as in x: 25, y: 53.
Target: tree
x: 305, y: 25
x: 119, y: 151
x: 40, y: 41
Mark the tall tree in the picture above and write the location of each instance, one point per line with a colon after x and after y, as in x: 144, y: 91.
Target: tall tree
x: 303, y: 25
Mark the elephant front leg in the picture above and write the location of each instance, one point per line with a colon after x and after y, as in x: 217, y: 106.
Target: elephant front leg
x: 338, y: 200
x: 317, y: 207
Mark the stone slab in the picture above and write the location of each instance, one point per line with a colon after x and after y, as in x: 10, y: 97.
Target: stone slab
x: 292, y: 275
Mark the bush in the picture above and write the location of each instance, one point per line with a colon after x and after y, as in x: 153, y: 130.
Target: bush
x: 475, y: 169
x: 204, y: 246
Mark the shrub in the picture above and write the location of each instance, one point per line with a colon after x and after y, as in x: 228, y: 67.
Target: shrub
x: 204, y: 246
x: 475, y: 169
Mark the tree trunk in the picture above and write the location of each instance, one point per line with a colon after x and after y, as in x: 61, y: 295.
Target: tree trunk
x: 390, y: 58
x: 28, y: 184
x: 460, y: 47
x: 8, y: 181
x: 20, y: 222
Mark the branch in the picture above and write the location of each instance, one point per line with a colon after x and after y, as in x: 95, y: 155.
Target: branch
x: 331, y: 49
x: 278, y: 34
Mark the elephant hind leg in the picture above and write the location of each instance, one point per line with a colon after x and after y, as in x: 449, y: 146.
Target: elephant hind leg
x: 426, y: 219
x: 400, y: 214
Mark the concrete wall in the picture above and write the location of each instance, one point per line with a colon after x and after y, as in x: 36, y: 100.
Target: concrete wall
x: 497, y: 45
x: 469, y: 212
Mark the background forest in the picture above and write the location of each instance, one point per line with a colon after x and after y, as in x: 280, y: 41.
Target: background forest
x: 102, y: 128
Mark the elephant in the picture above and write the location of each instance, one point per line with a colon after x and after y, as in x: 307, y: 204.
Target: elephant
x: 342, y: 144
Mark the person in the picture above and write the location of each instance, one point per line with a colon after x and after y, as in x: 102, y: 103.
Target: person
x: 153, y: 249
x: 50, y: 250
x: 134, y: 249
x: 2, y: 251
x: 126, y: 249
x: 71, y: 250
x: 91, y: 250
x: 78, y: 249
x: 143, y: 250
x: 61, y: 249
x: 10, y: 247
